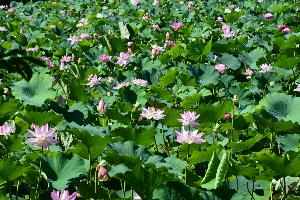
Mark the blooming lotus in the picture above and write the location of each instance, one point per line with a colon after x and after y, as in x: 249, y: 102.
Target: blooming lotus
x: 188, y: 118
x: 7, y: 129
x: 123, y: 59
x: 85, y: 36
x: 152, y: 113
x: 176, y: 26
x: 66, y: 59
x: 93, y: 80
x: 286, y: 30
x: 64, y: 195
x: 140, y: 82
x: 221, y: 68
x: 265, y: 68
x: 73, y: 39
x: 189, y: 137
x: 268, y: 15
x: 248, y: 73
x: 42, y: 136
x: 104, y: 58
x: 297, y: 89
x: 121, y: 85
x: 227, y: 33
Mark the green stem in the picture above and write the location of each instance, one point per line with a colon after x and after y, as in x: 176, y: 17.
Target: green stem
x: 284, y: 188
x: 40, y: 173
x: 17, y: 192
x: 90, y: 169
x: 95, y: 181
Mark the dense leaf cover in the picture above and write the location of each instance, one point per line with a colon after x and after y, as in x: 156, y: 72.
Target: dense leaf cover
x: 150, y: 99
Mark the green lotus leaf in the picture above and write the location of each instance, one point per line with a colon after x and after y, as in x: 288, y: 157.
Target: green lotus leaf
x: 60, y: 171
x: 36, y: 91
x: 282, y: 106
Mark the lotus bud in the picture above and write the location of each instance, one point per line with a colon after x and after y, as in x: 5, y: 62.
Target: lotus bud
x: 102, y: 172
x: 227, y: 116
x: 102, y: 106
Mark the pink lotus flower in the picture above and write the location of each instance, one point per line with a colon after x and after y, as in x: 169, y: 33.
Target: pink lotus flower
x: 42, y: 136
x: 297, y: 89
x: 93, y: 80
x: 64, y: 195
x: 190, y: 6
x: 152, y: 113
x: 85, y: 36
x: 32, y: 49
x: 220, y: 19
x: 286, y: 30
x: 50, y: 64
x: 189, y: 118
x: 155, y: 26
x: 221, y: 68
x: 156, y: 50
x: 102, y: 173
x: 121, y: 85
x: 104, y: 58
x: 140, y: 82
x: 123, y: 59
x: 171, y: 43
x: 158, y: 115
x: 176, y: 26
x: 267, y: 16
x: 168, y: 36
x: 102, y: 106
x: 73, y: 39
x: 260, y: 1
x: 249, y: 72
x: 281, y: 26
x: 155, y: 2
x: 227, y: 33
x: 189, y: 137
x: 136, y: 2
x: 227, y: 116
x: 66, y: 59
x: 265, y: 68
x: 7, y: 129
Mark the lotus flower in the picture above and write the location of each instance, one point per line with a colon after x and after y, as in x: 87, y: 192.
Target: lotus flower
x: 176, y: 26
x: 221, y: 68
x: 85, y: 36
x: 102, y: 106
x: 121, y: 85
x: 188, y: 118
x: 140, y: 82
x: 104, y: 58
x: 42, y: 136
x: 152, y: 113
x: 123, y: 59
x: 102, y: 173
x: 286, y: 30
x: 55, y: 195
x: 7, y: 129
x: 227, y: 116
x: 248, y: 73
x: 297, y: 89
x: 268, y: 15
x: 93, y: 80
x: 189, y: 137
x: 265, y: 68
